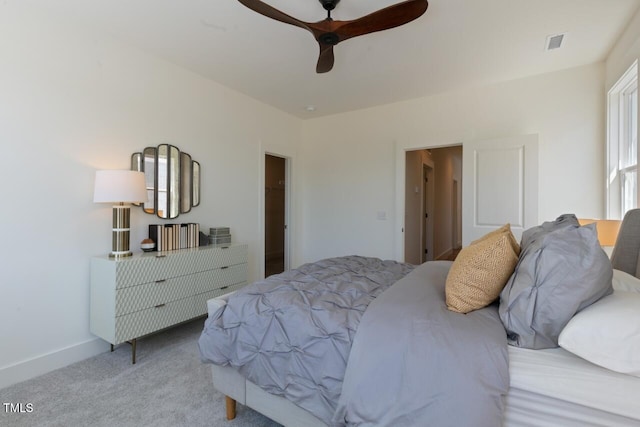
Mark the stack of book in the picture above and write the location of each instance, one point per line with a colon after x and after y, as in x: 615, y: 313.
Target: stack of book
x: 169, y: 237
x: 219, y: 236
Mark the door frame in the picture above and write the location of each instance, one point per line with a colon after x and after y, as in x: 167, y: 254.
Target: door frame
x: 401, y: 148
x: 272, y: 215
x: 456, y: 219
x: 427, y: 207
x: 289, y: 216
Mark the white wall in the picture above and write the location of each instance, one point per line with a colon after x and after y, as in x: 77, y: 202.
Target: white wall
x: 625, y: 51
x: 349, y: 160
x: 72, y: 102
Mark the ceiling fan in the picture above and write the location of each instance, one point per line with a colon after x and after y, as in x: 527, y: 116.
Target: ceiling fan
x: 329, y: 33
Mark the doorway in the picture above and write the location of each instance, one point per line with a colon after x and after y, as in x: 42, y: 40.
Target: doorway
x: 275, y: 196
x: 433, y: 204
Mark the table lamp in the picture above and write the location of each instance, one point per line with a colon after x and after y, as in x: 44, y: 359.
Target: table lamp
x: 120, y: 187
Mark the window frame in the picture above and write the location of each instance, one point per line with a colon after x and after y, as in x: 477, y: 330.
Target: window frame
x: 619, y: 137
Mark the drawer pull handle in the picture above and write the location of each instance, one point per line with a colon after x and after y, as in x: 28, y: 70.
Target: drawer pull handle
x: 224, y: 268
x: 161, y: 281
x: 224, y: 247
x: 160, y: 305
x: 223, y: 288
x: 161, y: 256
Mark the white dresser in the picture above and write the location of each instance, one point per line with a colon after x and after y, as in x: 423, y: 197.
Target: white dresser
x: 135, y: 296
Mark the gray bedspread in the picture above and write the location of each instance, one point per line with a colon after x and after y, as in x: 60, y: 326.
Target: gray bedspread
x: 291, y: 334
x: 415, y: 363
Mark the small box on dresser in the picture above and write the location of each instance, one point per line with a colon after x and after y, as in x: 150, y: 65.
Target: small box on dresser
x: 135, y: 296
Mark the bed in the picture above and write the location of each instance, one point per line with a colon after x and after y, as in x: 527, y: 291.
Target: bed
x: 543, y: 387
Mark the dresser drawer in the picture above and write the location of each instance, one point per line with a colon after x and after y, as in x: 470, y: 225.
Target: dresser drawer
x: 220, y: 277
x: 153, y: 319
x: 136, y: 298
x: 214, y: 257
x: 200, y: 300
x: 151, y: 268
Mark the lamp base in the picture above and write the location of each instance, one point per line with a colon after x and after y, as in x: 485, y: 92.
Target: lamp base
x: 120, y: 233
x: 117, y: 255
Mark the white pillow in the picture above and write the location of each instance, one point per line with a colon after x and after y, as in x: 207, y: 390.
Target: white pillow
x: 607, y: 333
x: 625, y: 282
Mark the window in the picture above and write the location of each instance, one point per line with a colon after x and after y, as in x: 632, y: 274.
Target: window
x: 622, y: 145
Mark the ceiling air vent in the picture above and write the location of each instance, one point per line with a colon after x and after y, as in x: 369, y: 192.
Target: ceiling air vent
x: 555, y: 41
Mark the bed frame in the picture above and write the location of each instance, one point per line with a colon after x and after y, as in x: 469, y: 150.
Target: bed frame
x: 237, y: 389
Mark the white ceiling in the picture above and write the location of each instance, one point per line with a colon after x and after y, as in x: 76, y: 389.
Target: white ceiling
x: 456, y: 43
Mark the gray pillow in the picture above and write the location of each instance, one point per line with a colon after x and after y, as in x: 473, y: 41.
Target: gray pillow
x: 561, y: 270
x: 534, y: 233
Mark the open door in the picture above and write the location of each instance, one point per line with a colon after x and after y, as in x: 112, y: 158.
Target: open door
x: 499, y: 186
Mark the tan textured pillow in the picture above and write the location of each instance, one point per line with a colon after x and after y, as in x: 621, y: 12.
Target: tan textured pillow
x: 481, y: 270
x: 504, y: 229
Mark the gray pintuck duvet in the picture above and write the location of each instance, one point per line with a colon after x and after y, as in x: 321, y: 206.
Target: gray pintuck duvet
x: 411, y: 363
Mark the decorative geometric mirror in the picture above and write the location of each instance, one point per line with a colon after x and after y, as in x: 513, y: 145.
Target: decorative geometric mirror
x: 172, y: 178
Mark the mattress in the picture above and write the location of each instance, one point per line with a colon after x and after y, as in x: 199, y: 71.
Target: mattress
x: 566, y: 387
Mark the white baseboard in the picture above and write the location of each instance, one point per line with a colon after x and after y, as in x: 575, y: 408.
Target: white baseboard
x: 40, y: 365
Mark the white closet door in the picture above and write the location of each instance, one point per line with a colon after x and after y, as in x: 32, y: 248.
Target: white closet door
x: 499, y: 185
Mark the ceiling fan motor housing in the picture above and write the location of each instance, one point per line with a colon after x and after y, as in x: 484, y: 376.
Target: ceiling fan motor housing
x: 329, y: 4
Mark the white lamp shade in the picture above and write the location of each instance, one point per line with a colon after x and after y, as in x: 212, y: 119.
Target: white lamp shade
x: 116, y: 186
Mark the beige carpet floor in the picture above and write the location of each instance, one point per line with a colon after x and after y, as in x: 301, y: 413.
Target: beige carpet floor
x: 168, y: 386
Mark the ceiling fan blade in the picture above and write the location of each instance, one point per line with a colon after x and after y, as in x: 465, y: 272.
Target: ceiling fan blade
x: 326, y: 59
x: 329, y: 32
x: 273, y: 13
x: 383, y: 19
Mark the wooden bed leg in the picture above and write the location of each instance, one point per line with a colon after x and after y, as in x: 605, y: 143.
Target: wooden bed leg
x: 231, y: 407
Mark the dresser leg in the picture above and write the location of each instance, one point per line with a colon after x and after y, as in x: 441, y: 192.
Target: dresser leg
x: 133, y: 351
x: 231, y: 407
x: 111, y: 348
